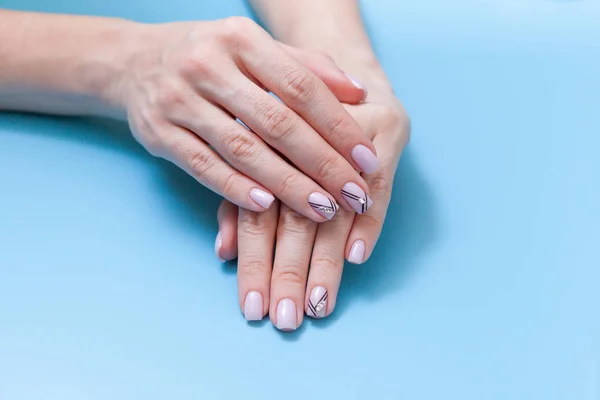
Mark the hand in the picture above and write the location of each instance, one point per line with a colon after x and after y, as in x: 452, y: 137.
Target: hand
x: 184, y: 88
x: 280, y: 287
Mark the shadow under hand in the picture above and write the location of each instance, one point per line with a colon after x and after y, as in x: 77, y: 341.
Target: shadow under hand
x: 410, y: 228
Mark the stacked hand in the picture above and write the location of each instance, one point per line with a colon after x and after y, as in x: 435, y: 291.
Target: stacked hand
x: 306, y: 270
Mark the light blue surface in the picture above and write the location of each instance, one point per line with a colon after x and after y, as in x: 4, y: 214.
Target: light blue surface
x: 484, y: 285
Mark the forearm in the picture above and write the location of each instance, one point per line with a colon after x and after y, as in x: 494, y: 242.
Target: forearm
x: 333, y: 26
x: 62, y: 64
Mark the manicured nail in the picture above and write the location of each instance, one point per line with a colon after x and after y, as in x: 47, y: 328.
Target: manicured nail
x: 317, y: 303
x: 357, y: 252
x: 253, y: 306
x: 286, y: 315
x: 359, y: 85
x: 262, y: 198
x: 322, y: 204
x: 218, y: 245
x: 365, y: 159
x: 356, y: 197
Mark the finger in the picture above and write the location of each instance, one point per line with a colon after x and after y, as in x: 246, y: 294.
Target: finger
x: 367, y: 227
x: 247, y: 153
x: 187, y: 151
x: 326, y: 265
x: 295, y: 238
x: 308, y: 96
x: 282, y: 129
x: 256, y: 238
x: 346, y: 88
x: 226, y: 245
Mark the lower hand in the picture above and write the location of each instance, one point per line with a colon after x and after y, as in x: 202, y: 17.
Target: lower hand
x: 309, y: 258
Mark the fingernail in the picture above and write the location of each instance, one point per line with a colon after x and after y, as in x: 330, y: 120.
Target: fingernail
x: 365, y: 159
x: 218, y: 245
x: 356, y: 197
x: 317, y: 303
x: 322, y: 204
x: 253, y: 306
x: 359, y: 85
x: 262, y: 198
x: 357, y: 252
x: 286, y: 315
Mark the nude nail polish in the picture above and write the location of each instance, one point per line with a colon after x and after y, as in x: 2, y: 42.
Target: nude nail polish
x: 218, y: 245
x: 262, y: 198
x: 359, y: 85
x: 365, y: 159
x: 317, y: 303
x: 253, y: 306
x: 357, y: 252
x: 356, y: 197
x: 322, y: 204
x: 286, y: 315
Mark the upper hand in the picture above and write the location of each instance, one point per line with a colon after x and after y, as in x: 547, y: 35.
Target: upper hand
x: 186, y: 85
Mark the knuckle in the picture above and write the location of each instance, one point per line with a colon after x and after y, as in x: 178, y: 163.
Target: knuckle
x: 169, y: 97
x: 299, y: 86
x: 289, y: 184
x: 293, y: 222
x: 199, y: 64
x: 229, y: 183
x: 370, y: 221
x: 252, y: 223
x: 338, y: 127
x: 200, y: 163
x: 234, y: 30
x: 277, y: 121
x: 240, y: 147
x: 326, y: 168
x: 327, y: 263
x: 291, y: 274
x: 380, y: 183
x: 253, y: 267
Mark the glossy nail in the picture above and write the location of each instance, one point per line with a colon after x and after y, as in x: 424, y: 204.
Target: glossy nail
x: 253, y: 306
x: 357, y: 252
x: 365, y: 159
x: 359, y: 85
x: 356, y: 197
x: 286, y: 315
x: 262, y: 198
x: 218, y: 245
x: 317, y: 303
x: 322, y: 204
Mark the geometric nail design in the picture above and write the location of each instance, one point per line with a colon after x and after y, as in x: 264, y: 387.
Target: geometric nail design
x: 317, y: 303
x: 322, y: 204
x: 356, y: 197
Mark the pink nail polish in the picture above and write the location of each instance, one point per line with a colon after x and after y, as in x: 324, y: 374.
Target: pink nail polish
x: 359, y: 85
x: 218, y: 245
x: 262, y: 198
x: 357, y: 252
x: 317, y: 303
x: 356, y: 197
x: 286, y: 315
x: 365, y: 159
x: 322, y: 204
x: 253, y: 306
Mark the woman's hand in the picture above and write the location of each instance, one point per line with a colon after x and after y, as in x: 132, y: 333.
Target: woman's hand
x: 286, y: 287
x: 184, y: 89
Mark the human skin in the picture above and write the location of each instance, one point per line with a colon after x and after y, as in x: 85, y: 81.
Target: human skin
x: 304, y: 274
x: 182, y: 85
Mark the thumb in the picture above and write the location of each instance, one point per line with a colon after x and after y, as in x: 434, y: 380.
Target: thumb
x: 346, y: 88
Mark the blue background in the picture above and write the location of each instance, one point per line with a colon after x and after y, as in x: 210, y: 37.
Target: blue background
x: 484, y: 284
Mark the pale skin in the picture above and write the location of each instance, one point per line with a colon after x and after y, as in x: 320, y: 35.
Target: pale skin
x: 182, y: 85
x: 304, y: 274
